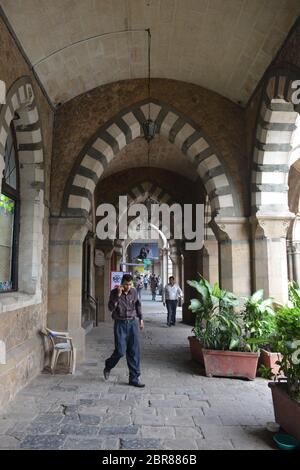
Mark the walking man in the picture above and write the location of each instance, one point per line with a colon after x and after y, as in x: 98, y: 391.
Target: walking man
x: 126, y: 312
x: 172, y: 294
x: 139, y: 287
x: 153, y: 286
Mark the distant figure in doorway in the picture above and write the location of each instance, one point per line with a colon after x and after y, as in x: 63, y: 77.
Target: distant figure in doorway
x: 146, y: 280
x: 127, y: 314
x: 172, y: 293
x: 139, y: 287
x: 153, y: 286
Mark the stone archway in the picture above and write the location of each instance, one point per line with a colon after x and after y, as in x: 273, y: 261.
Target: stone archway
x: 127, y: 126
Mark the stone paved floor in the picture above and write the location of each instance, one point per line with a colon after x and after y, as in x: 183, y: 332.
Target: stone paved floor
x: 180, y: 408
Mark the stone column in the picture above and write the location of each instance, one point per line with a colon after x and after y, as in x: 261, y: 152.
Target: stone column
x: 296, y: 262
x: 92, y: 267
x: 290, y: 259
x: 211, y: 261
x: 270, y: 255
x: 190, y: 273
x: 165, y: 267
x: 119, y: 261
x: 176, y: 261
x: 65, y: 278
x: 233, y: 235
x: 107, y: 249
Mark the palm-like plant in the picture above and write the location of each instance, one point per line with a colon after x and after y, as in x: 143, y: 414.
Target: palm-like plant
x: 294, y: 294
x: 259, y: 321
x: 288, y: 344
x: 217, y: 326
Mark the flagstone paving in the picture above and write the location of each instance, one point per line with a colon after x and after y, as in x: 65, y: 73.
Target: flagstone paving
x: 179, y: 408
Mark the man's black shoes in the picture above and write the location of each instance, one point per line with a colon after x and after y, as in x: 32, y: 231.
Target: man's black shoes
x: 137, y: 384
x: 106, y: 373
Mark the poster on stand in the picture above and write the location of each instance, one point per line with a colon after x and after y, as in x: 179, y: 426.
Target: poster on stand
x: 116, y: 278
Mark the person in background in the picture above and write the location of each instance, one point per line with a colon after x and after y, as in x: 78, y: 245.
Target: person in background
x: 172, y: 293
x: 127, y: 315
x: 139, y: 287
x: 153, y: 286
x: 146, y: 280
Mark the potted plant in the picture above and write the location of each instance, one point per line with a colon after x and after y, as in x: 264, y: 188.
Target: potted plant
x: 260, y: 326
x: 221, y: 333
x: 286, y: 393
x: 201, y: 309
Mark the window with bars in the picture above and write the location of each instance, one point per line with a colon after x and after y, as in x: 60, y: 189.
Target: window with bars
x: 9, y: 216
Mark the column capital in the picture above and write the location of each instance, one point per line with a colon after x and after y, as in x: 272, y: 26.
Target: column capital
x: 68, y: 230
x: 230, y: 228
x: 271, y: 225
x: 106, y: 247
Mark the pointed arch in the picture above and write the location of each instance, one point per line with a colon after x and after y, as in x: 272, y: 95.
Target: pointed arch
x: 127, y: 126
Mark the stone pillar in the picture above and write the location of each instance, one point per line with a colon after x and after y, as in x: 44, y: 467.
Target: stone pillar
x: 296, y: 262
x: 270, y: 255
x: 65, y: 278
x: 211, y: 261
x: 164, y: 280
x: 233, y: 235
x: 119, y: 259
x: 176, y: 262
x: 190, y: 273
x: 92, y: 267
x: 107, y: 249
x: 290, y: 259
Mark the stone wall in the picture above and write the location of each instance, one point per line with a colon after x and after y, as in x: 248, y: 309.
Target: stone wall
x: 19, y: 327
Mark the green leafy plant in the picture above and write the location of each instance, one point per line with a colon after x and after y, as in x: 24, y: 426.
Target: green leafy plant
x: 217, y: 326
x: 265, y: 372
x: 294, y: 294
x: 259, y: 321
x: 7, y: 205
x: 287, y: 342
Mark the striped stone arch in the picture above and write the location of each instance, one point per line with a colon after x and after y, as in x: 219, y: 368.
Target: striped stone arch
x: 20, y: 99
x: 148, y: 189
x: 139, y: 194
x: 123, y: 129
x: 21, y: 106
x: 276, y: 124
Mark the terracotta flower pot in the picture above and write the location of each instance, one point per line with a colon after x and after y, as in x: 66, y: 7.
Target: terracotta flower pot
x: 196, y: 349
x: 269, y: 359
x: 230, y: 363
x: 286, y: 409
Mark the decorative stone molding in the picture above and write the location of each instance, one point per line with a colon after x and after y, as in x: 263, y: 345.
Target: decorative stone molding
x: 273, y: 226
x: 230, y: 228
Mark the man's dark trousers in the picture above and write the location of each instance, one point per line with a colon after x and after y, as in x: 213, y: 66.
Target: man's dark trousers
x: 171, y: 307
x: 126, y: 342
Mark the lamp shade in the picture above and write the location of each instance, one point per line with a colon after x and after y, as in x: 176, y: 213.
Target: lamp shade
x: 149, y: 129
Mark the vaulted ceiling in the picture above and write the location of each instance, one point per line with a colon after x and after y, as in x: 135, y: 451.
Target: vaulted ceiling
x: 223, y: 45
x: 162, y: 154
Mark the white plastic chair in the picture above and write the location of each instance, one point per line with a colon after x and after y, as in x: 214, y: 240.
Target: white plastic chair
x: 61, y: 343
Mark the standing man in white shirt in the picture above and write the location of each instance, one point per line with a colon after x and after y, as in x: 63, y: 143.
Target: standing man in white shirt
x: 172, y: 294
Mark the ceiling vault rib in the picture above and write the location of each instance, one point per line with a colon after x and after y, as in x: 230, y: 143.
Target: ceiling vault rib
x: 138, y: 30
